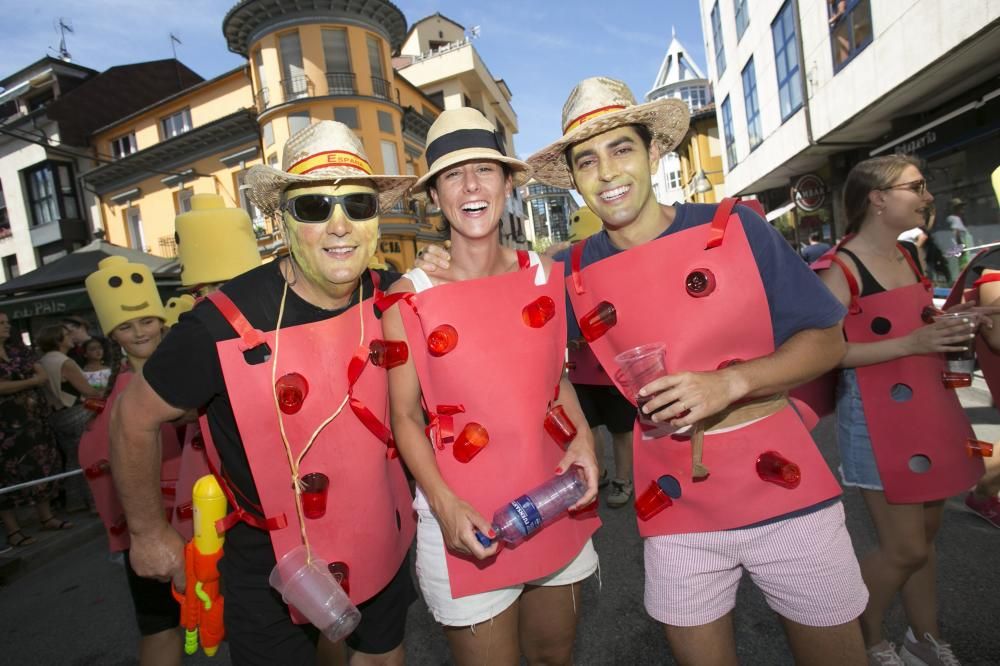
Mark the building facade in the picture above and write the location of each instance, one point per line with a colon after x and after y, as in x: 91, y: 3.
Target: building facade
x: 547, y: 211
x: 679, y: 77
x: 439, y: 57
x: 700, y: 156
x: 805, y: 90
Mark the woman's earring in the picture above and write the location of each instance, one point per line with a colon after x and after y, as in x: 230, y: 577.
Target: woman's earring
x: 878, y: 212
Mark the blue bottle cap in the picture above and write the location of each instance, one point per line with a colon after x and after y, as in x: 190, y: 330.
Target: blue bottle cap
x: 484, y: 540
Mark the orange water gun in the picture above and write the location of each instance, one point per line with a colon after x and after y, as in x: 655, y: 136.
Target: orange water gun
x: 202, y: 603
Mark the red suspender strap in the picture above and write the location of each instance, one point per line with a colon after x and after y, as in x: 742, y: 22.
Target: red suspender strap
x: 355, y: 367
x: 755, y: 206
x: 385, y: 302
x: 717, y: 229
x: 992, y: 277
x: 441, y: 428
x: 238, y: 514
x: 852, y: 284
x: 575, y: 259
x: 376, y: 282
x: 250, y: 336
x: 523, y: 259
x: 924, y: 280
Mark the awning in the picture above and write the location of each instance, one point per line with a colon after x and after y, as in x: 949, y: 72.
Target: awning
x: 778, y: 212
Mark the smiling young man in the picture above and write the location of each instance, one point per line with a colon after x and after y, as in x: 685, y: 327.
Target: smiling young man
x: 266, y: 360
x: 742, y: 319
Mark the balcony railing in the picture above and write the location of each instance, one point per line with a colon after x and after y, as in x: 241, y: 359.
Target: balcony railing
x: 262, y: 100
x: 340, y: 83
x: 381, y: 88
x: 297, y: 87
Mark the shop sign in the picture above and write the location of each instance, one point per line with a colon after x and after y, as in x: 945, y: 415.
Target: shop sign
x: 809, y: 193
x: 916, y: 143
x: 390, y: 247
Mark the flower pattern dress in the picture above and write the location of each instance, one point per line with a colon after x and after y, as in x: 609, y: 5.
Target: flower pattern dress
x: 27, y: 444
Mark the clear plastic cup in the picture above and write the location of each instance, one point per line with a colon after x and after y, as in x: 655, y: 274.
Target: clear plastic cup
x: 960, y: 365
x: 313, y: 591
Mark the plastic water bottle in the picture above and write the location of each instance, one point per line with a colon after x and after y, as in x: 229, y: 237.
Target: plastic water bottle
x: 520, y: 517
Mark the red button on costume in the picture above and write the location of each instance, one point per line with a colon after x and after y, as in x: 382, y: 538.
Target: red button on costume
x: 700, y: 333
x: 368, y: 523
x: 502, y: 373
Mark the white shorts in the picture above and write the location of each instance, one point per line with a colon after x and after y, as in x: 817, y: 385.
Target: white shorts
x: 432, y: 574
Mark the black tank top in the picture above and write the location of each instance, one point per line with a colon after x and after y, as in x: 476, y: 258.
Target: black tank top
x: 869, y: 285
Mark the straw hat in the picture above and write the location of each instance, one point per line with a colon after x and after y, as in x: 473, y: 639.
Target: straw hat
x: 598, y: 105
x: 324, y: 151
x: 460, y: 135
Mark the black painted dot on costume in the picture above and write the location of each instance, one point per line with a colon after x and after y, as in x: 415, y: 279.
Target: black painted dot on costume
x: 881, y: 325
x: 919, y: 464
x: 399, y: 521
x: 901, y: 393
x: 137, y: 278
x: 114, y: 282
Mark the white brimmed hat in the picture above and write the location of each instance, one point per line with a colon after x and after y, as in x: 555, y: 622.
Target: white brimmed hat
x: 324, y: 151
x: 598, y: 105
x: 460, y: 135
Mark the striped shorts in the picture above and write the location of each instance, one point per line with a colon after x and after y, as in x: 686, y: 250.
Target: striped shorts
x: 805, y: 566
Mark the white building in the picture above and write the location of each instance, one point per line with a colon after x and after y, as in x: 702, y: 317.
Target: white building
x: 680, y: 77
x: 548, y: 211
x: 812, y: 88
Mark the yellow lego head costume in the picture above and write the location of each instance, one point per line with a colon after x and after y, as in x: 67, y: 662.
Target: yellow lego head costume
x: 177, y: 306
x: 214, y: 243
x: 120, y: 291
x: 583, y: 224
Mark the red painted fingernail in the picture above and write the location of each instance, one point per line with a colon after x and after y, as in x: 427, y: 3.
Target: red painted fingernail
x: 558, y: 470
x: 493, y: 534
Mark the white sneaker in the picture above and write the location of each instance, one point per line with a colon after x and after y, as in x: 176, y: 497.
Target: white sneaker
x: 620, y: 493
x: 928, y: 651
x: 883, y: 654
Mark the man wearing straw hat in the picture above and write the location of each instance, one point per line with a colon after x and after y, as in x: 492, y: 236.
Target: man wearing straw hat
x: 283, y: 363
x: 739, y: 483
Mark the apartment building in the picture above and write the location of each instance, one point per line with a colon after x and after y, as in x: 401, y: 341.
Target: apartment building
x: 804, y: 90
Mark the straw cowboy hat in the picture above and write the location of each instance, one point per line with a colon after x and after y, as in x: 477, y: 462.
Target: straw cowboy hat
x: 460, y: 135
x: 598, y: 105
x: 324, y: 151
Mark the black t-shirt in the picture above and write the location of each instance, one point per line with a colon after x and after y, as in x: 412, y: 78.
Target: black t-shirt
x: 185, y: 371
x: 990, y: 260
x: 871, y: 286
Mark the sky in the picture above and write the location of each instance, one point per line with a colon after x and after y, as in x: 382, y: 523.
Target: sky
x: 541, y: 48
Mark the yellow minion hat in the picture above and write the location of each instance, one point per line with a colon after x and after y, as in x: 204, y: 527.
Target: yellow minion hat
x: 120, y: 291
x: 177, y: 306
x: 583, y: 224
x: 214, y: 243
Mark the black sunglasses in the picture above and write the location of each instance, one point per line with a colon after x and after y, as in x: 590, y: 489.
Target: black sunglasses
x: 312, y: 208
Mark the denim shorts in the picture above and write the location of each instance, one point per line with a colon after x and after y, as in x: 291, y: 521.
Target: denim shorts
x: 857, y: 460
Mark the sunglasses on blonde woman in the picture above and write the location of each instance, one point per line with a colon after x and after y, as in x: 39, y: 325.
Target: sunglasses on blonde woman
x: 918, y: 187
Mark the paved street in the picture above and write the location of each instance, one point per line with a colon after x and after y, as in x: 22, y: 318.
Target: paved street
x: 75, y: 610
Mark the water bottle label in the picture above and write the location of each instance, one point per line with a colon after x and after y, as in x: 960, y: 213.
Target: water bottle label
x: 528, y: 513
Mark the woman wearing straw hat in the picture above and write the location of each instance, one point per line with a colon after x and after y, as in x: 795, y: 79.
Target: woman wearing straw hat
x: 131, y: 314
x: 487, y: 375
x: 742, y: 319
x: 279, y: 360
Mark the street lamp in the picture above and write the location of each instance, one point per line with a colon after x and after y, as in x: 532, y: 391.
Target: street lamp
x: 701, y: 182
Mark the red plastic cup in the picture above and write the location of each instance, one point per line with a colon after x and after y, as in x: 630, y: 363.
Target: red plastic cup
x: 975, y: 448
x: 598, y: 321
x: 652, y: 501
x: 292, y: 390
x: 315, y: 488
x: 470, y: 442
x: 699, y: 283
x: 95, y: 405
x: 119, y: 527
x: 342, y: 574
x: 388, y: 353
x: 775, y: 468
x: 559, y: 426
x: 928, y: 313
x: 198, y: 442
x: 954, y: 380
x: 98, y: 469
x: 442, y: 340
x: 185, y: 511
x: 538, y: 312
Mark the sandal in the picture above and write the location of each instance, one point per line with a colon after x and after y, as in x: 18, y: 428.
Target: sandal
x: 18, y: 539
x: 54, y: 524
